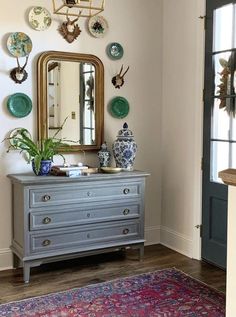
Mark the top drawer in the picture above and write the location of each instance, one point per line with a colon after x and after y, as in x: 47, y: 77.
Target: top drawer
x: 97, y: 191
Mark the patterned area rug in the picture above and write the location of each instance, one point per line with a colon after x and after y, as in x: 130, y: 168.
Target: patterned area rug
x: 167, y: 293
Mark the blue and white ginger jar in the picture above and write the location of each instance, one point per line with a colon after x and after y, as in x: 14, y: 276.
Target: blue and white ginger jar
x: 125, y: 148
x: 104, y: 156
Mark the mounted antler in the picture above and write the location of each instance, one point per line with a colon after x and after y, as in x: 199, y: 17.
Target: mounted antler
x: 118, y: 80
x: 69, y: 30
x: 19, y: 74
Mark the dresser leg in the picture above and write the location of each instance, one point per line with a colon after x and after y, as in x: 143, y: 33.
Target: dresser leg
x: 141, y: 253
x: 26, y: 272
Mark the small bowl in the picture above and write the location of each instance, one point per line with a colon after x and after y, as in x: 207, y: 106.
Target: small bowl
x: 111, y: 170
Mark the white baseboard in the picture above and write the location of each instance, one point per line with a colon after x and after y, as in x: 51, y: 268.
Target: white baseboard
x: 152, y: 235
x: 5, y: 259
x: 176, y: 241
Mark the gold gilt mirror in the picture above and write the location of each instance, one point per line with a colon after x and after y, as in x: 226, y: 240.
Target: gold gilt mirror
x: 71, y: 90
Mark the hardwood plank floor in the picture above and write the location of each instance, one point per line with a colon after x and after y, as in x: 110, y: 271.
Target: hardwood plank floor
x: 61, y: 276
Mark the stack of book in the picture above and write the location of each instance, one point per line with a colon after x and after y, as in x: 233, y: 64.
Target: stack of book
x: 72, y: 170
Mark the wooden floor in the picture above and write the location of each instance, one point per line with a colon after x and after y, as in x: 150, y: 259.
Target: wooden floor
x: 60, y: 276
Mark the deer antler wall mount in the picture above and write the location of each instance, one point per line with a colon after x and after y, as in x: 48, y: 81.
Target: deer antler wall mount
x: 118, y: 80
x: 69, y: 30
x: 19, y: 45
x: 19, y: 74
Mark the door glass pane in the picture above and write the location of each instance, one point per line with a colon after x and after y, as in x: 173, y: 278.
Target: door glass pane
x: 233, y: 156
x: 223, y: 28
x: 233, y: 128
x: 219, y: 159
x: 220, y: 121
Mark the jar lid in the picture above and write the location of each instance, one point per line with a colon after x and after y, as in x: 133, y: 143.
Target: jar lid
x: 125, y: 132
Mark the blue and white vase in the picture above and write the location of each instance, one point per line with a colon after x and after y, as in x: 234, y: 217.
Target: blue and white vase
x: 45, y: 167
x: 104, y: 156
x: 124, y: 149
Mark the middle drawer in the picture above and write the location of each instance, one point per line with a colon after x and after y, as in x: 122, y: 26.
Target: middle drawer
x: 63, y: 218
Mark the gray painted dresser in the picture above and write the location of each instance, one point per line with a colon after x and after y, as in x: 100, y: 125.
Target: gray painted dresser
x: 57, y: 218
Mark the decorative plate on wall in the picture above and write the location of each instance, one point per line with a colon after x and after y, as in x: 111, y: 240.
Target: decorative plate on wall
x: 19, y: 44
x: 97, y: 26
x: 119, y: 107
x: 39, y: 18
x: 19, y: 105
x: 115, y: 51
x: 14, y: 132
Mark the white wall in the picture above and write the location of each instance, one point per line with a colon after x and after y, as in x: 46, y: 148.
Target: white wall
x: 183, y: 38
x: 231, y: 254
x: 139, y: 29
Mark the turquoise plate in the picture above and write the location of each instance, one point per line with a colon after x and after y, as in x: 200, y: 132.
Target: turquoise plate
x: 19, y: 105
x: 19, y: 44
x: 119, y: 107
x: 115, y: 51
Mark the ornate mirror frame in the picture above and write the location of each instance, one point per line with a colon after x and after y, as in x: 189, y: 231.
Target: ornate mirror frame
x: 42, y: 63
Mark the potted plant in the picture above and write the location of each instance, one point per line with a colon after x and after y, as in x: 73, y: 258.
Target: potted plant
x: 40, y: 153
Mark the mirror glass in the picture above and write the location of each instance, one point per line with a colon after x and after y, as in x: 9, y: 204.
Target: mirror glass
x: 70, y: 92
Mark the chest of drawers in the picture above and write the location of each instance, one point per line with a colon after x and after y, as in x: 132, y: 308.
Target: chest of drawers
x: 57, y: 218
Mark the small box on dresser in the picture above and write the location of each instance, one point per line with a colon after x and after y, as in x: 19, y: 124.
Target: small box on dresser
x: 56, y: 218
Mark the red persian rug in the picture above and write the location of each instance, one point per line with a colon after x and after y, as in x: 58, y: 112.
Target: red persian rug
x: 167, y: 293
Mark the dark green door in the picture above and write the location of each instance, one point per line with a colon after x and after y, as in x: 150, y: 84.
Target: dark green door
x: 219, y: 146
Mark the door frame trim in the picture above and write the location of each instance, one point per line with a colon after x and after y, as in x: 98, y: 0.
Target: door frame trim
x: 198, y: 140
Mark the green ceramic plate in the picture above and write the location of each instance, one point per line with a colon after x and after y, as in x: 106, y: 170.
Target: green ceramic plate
x: 119, y: 107
x: 115, y: 51
x: 19, y: 105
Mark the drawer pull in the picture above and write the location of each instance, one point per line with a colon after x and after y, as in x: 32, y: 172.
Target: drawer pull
x: 126, y: 211
x: 46, y: 243
x: 89, y: 194
x: 47, y: 220
x: 46, y: 198
x: 88, y: 215
x: 88, y: 236
x: 125, y: 231
x: 126, y: 191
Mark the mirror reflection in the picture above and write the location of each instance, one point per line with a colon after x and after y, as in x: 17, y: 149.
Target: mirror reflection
x: 71, y: 88
x: 71, y: 96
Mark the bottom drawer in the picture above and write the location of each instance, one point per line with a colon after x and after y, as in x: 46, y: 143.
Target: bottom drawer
x: 80, y: 237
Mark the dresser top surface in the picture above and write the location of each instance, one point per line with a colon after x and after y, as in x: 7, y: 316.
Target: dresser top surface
x: 30, y: 178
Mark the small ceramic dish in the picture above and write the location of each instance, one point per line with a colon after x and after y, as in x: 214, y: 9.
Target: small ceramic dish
x: 111, y: 170
x: 97, y: 26
x: 119, y: 107
x: 115, y: 51
x: 19, y: 44
x: 39, y: 18
x: 19, y: 105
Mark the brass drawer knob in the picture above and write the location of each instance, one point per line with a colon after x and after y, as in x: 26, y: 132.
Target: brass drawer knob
x: 126, y: 191
x: 126, y: 211
x: 46, y: 243
x: 47, y: 220
x: 126, y: 231
x: 46, y: 198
